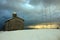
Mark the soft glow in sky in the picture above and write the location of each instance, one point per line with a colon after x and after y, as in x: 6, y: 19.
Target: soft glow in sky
x: 44, y: 26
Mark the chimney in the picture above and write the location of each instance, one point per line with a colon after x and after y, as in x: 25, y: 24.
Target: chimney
x: 14, y: 14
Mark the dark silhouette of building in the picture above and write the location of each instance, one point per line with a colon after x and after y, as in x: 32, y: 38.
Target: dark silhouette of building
x: 15, y: 23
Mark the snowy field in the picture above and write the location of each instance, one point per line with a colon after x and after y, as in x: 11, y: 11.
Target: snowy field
x: 36, y: 34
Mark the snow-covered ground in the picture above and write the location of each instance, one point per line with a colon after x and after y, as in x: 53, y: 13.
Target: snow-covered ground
x: 36, y: 34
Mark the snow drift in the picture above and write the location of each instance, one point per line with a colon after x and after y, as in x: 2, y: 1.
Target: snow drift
x: 36, y: 34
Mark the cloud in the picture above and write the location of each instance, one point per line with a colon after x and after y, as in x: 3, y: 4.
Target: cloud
x: 32, y: 11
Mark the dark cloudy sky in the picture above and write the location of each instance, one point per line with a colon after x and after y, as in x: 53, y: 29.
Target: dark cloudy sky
x: 32, y: 11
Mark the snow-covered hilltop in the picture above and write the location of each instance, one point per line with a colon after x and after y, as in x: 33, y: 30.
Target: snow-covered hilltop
x: 35, y: 34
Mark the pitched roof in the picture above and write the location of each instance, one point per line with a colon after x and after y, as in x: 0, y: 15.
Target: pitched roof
x: 14, y: 18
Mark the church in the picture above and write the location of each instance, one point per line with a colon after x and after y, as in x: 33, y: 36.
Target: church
x: 15, y: 23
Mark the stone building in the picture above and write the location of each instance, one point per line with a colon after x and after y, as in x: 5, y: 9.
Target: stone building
x: 15, y: 23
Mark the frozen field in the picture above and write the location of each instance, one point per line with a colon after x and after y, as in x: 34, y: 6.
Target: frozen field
x: 36, y: 34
